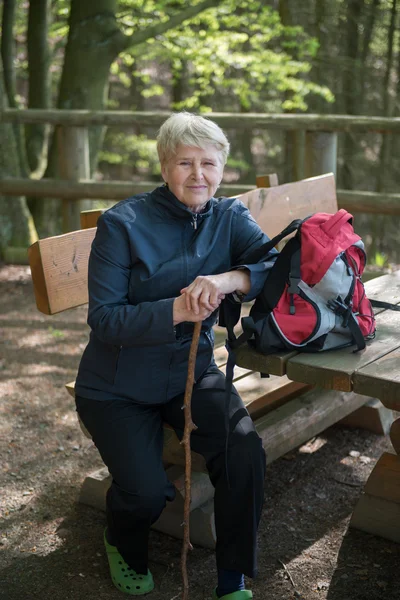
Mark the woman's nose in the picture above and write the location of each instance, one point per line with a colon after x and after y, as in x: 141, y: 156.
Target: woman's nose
x: 197, y: 172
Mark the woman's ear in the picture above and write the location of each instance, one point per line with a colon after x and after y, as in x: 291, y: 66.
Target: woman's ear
x: 164, y: 173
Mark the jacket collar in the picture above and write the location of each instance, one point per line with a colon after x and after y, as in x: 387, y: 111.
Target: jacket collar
x: 168, y: 201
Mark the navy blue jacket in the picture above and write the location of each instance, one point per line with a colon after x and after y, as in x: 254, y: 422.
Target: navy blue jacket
x: 146, y: 249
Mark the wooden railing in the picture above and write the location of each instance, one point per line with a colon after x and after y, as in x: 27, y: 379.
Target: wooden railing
x: 315, y: 153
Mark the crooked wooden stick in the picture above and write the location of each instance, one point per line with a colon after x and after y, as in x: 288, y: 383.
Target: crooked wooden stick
x: 189, y: 427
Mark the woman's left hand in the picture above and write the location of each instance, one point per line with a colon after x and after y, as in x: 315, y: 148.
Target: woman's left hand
x: 208, y: 291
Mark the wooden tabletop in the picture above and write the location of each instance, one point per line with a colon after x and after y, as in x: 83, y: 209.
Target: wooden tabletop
x: 374, y: 371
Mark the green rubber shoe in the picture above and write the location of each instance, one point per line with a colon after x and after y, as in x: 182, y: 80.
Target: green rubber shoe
x: 125, y: 578
x: 239, y: 595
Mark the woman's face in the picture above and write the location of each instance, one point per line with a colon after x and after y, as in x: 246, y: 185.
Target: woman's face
x: 194, y: 174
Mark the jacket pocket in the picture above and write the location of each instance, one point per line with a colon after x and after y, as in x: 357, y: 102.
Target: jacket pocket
x: 101, y: 359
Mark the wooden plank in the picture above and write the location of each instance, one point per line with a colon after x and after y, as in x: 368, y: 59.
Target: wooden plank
x: 173, y: 452
x: 302, y: 418
x: 59, y: 267
x: 381, y: 379
x: 273, y: 208
x: 395, y: 435
x: 89, y: 218
x: 273, y: 364
x: 267, y: 181
x: 335, y: 370
x: 384, y: 480
x: 38, y: 278
x: 261, y: 396
x: 373, y: 416
x: 377, y: 516
x: 385, y: 287
x: 202, y: 526
x: 378, y: 509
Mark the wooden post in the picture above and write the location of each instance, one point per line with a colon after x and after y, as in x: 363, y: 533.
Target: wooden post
x: 267, y: 180
x: 74, y: 165
x: 321, y: 152
x: 299, y: 155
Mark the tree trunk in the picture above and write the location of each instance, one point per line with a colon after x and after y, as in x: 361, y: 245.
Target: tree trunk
x: 179, y: 82
x: 351, y: 78
x: 366, y: 42
x: 17, y: 230
x: 94, y: 41
x: 36, y: 136
x: 289, y: 137
x: 384, y: 154
x: 9, y: 83
x: 387, y: 108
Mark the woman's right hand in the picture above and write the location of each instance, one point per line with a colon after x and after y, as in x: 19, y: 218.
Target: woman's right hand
x: 181, y: 313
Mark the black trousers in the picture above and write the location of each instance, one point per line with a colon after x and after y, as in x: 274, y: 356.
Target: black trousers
x: 129, y: 437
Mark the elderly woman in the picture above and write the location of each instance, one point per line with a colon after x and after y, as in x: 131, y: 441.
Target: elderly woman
x: 160, y: 262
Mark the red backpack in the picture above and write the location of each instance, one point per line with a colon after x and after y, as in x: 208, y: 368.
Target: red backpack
x: 314, y: 298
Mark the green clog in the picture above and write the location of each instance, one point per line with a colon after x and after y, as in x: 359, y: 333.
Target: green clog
x: 124, y: 577
x: 239, y: 595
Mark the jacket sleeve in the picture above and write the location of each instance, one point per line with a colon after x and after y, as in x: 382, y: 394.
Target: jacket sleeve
x: 110, y: 316
x: 248, y: 236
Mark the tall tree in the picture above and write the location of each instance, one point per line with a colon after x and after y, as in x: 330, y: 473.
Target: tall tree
x: 351, y: 82
x: 9, y: 83
x: 17, y: 230
x: 39, y: 80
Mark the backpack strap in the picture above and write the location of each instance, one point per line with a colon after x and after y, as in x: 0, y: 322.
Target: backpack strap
x: 381, y: 304
x: 263, y: 250
x: 349, y: 320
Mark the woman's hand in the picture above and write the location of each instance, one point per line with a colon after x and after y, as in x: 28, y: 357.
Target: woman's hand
x: 206, y: 292
x: 181, y: 312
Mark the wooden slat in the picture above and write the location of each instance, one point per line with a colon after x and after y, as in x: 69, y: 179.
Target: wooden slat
x: 335, y: 370
x: 59, y: 270
x: 261, y: 396
x: 267, y: 180
x: 273, y: 208
x: 385, y: 287
x: 273, y: 364
x: 373, y: 416
x: 377, y: 516
x: 381, y: 379
x: 302, y: 418
x: 384, y: 480
x: 395, y: 435
x: 378, y: 509
x: 89, y: 217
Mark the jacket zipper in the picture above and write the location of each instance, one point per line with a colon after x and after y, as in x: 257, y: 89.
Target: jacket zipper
x: 194, y: 222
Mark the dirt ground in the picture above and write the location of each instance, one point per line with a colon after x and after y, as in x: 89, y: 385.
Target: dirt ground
x: 51, y: 546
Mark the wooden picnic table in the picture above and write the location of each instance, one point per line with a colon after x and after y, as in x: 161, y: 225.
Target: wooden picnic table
x: 375, y: 371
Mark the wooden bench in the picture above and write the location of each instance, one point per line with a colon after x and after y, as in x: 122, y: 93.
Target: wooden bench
x: 286, y: 413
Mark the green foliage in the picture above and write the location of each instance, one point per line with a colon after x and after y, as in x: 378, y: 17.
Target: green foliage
x: 138, y: 151
x: 55, y: 333
x: 380, y: 260
x: 238, y: 51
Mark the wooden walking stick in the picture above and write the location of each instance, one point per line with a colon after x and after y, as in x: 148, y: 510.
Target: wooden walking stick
x: 189, y: 427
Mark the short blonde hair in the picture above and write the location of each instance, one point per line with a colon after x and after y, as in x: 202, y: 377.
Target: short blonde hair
x: 189, y: 129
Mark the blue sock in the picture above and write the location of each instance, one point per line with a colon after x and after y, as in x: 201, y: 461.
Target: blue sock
x: 229, y: 582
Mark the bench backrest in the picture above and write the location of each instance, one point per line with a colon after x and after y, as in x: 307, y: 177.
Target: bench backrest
x: 59, y: 264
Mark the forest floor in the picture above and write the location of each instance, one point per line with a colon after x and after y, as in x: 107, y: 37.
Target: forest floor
x: 51, y: 546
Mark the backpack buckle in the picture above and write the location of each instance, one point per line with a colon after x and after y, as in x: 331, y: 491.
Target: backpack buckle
x: 294, y: 285
x: 339, y: 308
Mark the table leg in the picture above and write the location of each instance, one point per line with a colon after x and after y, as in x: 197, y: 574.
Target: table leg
x: 378, y: 509
x: 395, y: 435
